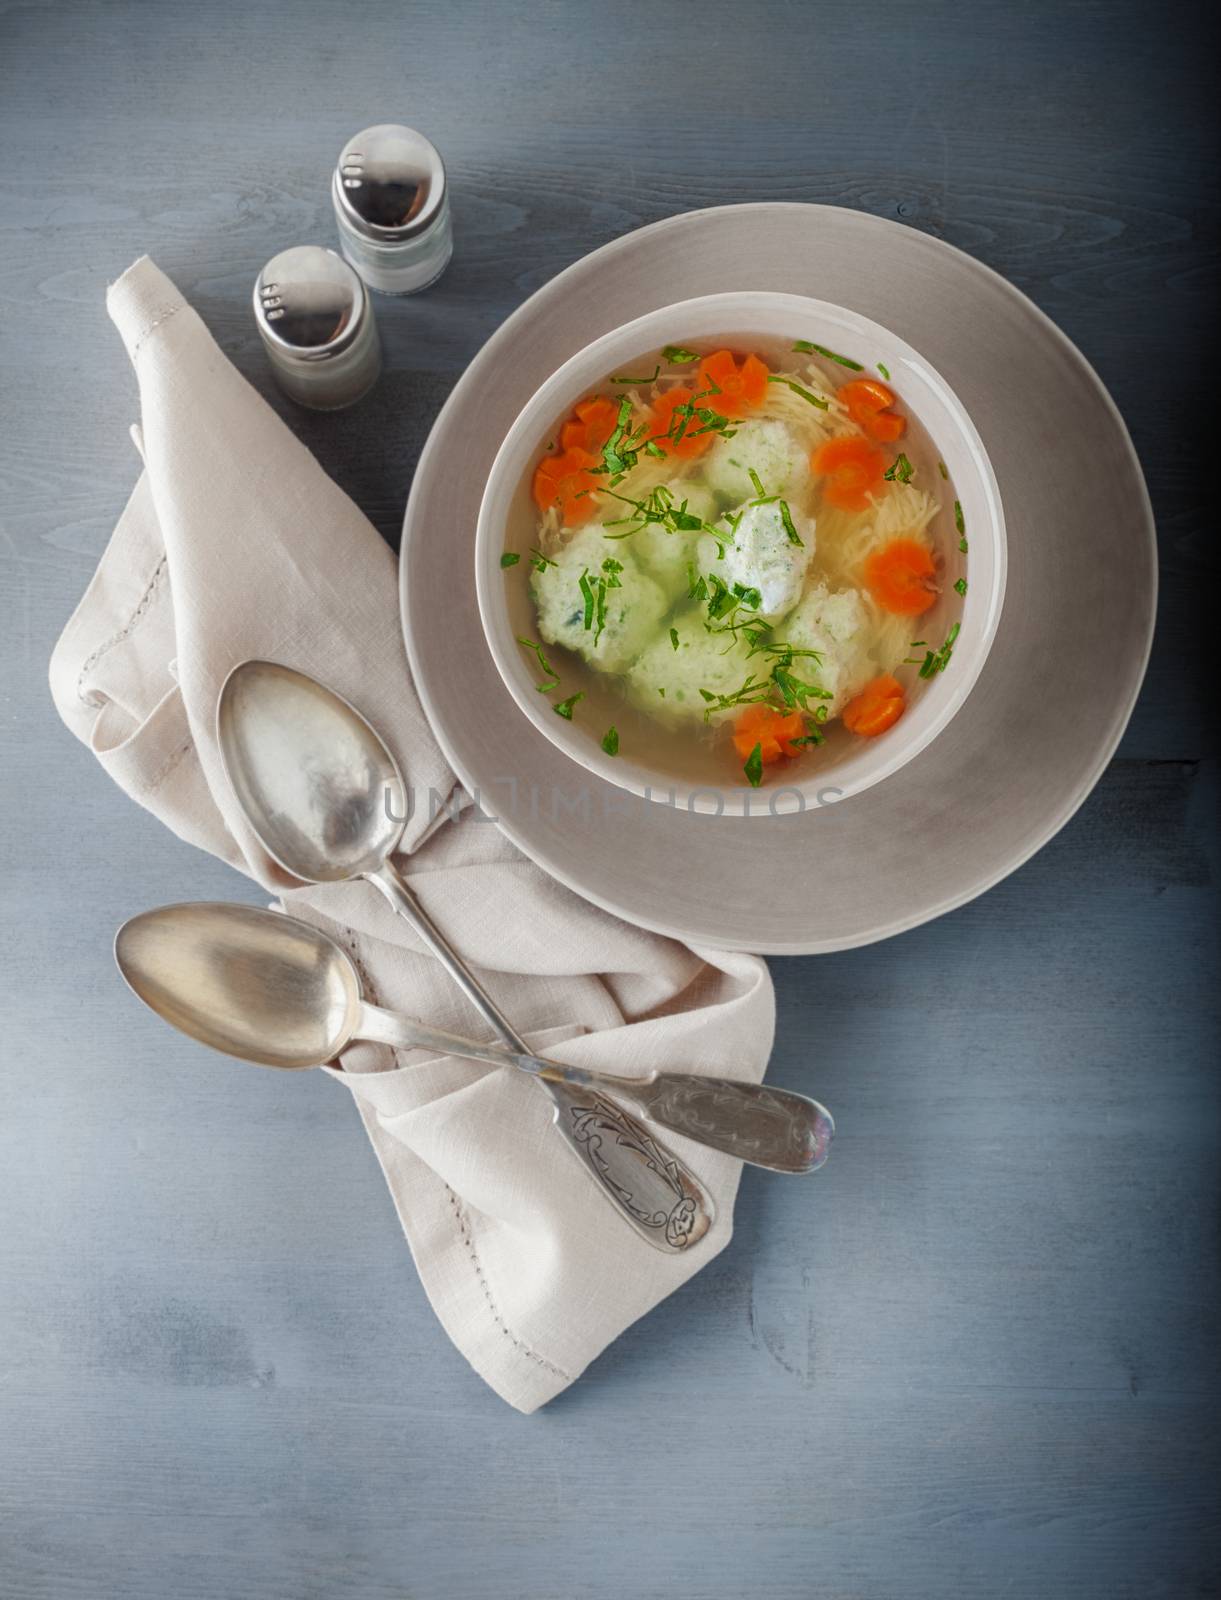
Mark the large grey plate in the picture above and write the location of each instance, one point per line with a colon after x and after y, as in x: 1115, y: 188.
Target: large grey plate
x: 1043, y: 719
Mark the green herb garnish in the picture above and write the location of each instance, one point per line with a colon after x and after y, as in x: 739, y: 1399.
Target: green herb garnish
x: 673, y: 638
x: 753, y: 767
x: 618, y: 457
x: 805, y: 394
x: 648, y: 378
x: 589, y: 595
x: 961, y: 586
x: 786, y: 517
x: 884, y: 370
x: 941, y: 469
x: 610, y: 741
x: 796, y: 691
x: 593, y: 592
x: 780, y: 681
x: 959, y: 522
x: 510, y: 558
x: 538, y: 560
x: 564, y: 708
x: 678, y: 356
x: 724, y: 601
x: 659, y: 508
x: 962, y: 545
x: 536, y: 650
x: 805, y: 347
x: 710, y: 421
x: 900, y: 470
x: 937, y: 660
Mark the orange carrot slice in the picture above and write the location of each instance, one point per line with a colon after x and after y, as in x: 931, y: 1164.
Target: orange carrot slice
x: 869, y: 403
x: 742, y: 388
x: 853, y: 471
x: 879, y: 706
x: 772, y: 730
x: 661, y: 420
x: 565, y: 480
x: 592, y: 426
x: 901, y: 577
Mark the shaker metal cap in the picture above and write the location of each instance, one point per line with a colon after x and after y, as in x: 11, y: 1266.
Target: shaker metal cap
x: 309, y: 302
x: 389, y: 183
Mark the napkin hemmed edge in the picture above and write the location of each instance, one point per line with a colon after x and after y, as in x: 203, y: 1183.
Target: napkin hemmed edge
x: 461, y: 1301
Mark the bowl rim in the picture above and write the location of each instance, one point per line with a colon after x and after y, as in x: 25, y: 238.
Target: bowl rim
x: 845, y: 778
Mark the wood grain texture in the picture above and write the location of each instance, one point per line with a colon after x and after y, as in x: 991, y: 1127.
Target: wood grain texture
x: 978, y: 1356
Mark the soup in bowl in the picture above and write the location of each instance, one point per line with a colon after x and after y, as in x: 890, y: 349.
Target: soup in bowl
x: 744, y: 555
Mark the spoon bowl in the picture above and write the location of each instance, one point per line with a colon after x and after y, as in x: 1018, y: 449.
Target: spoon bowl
x: 246, y: 982
x: 315, y: 779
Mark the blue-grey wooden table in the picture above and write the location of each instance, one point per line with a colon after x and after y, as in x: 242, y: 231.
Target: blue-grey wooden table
x: 977, y: 1356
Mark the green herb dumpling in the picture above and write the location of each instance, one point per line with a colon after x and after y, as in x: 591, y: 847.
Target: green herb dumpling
x: 634, y: 604
x: 764, y: 555
x: 667, y: 556
x: 667, y: 678
x: 836, y: 625
x: 769, y: 449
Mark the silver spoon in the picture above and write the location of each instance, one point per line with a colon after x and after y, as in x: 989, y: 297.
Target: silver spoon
x: 291, y: 997
x: 271, y: 989
x: 326, y: 800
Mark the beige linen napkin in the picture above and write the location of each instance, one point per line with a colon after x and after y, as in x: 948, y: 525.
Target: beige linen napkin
x: 234, y: 544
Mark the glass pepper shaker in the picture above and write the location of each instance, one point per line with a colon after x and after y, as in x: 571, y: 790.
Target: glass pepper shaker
x: 392, y: 208
x: 316, y: 322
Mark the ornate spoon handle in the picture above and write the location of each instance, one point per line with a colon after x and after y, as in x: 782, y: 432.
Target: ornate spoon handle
x: 772, y: 1128
x: 657, y: 1194
x: 644, y: 1181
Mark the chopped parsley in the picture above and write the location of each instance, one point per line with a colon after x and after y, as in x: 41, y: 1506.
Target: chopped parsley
x: 538, y: 560
x: 594, y: 591
x: 510, y: 558
x: 806, y: 347
x: 678, y: 356
x: 689, y: 412
x: 900, y: 470
x: 618, y: 454
x: 962, y: 545
x: 938, y: 660
x: 884, y: 370
x: 724, y: 600
x: 806, y: 394
x: 959, y: 521
x: 660, y: 509
x: 673, y: 638
x: 649, y: 377
x: 545, y: 666
x: 564, y: 708
x: 961, y: 586
x: 786, y: 516
x: 753, y: 767
x: 780, y: 681
x: 610, y: 741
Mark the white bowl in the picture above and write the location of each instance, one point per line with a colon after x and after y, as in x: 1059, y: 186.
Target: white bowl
x: 507, y: 519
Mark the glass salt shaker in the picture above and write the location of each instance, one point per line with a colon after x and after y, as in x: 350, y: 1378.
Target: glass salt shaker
x: 316, y: 322
x: 392, y: 208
